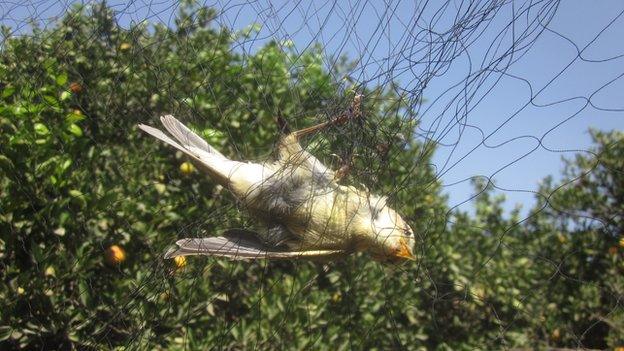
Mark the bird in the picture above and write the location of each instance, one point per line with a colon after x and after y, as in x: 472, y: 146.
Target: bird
x: 305, y: 210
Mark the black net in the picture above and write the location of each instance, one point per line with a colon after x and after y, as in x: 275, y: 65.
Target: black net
x: 492, y: 127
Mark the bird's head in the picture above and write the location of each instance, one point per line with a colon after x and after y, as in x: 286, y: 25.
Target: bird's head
x: 392, y: 238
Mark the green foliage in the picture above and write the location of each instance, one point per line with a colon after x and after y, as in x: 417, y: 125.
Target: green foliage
x: 77, y: 177
x: 554, y: 279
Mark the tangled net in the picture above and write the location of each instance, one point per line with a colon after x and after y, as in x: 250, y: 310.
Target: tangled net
x: 465, y: 104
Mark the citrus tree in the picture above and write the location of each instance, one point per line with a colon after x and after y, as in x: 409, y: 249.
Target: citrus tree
x: 552, y: 279
x: 89, y: 204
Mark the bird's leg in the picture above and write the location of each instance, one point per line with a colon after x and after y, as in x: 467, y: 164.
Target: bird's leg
x: 289, y: 144
x: 354, y: 112
x: 342, y: 172
x: 344, y: 169
x: 282, y: 124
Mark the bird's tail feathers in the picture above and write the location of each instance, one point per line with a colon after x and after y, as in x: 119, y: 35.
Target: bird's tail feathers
x: 187, y: 137
x: 205, y: 156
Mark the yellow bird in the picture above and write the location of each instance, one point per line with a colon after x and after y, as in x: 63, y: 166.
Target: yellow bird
x: 307, y: 213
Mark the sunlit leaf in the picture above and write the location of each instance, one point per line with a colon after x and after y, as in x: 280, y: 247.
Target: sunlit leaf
x: 8, y: 91
x: 61, y: 78
x: 74, y: 129
x: 41, y: 129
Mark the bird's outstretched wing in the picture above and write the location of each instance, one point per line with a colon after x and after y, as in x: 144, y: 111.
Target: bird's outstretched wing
x: 241, y: 244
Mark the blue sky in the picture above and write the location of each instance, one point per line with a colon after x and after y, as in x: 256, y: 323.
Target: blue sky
x: 517, y: 125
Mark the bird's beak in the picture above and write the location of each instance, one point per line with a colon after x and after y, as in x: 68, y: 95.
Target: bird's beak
x: 404, y: 251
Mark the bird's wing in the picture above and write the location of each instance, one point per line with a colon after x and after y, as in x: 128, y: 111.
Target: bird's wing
x: 244, y: 245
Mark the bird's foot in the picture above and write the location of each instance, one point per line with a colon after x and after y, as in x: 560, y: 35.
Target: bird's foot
x: 354, y: 112
x: 345, y: 167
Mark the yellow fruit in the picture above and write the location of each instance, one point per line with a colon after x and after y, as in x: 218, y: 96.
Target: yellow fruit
x: 555, y: 335
x: 622, y: 246
x: 337, y: 297
x: 180, y: 261
x: 50, y: 272
x: 165, y: 296
x: 125, y: 46
x: 115, y: 255
x: 480, y: 293
x: 186, y: 168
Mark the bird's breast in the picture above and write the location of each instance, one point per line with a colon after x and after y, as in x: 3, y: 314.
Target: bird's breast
x: 328, y: 219
x: 320, y: 214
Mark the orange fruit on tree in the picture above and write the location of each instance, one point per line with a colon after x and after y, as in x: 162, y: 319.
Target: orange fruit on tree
x: 75, y: 88
x: 115, y: 255
x: 555, y: 335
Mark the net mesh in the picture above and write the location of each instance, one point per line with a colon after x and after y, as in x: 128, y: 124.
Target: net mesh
x: 491, y: 126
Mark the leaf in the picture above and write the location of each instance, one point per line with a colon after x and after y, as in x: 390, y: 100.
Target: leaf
x: 75, y: 130
x: 5, y: 332
x: 52, y: 101
x: 75, y: 193
x: 6, y: 164
x: 61, y: 79
x: 43, y: 166
x: 65, y: 95
x: 213, y: 136
x: 85, y: 296
x: 8, y: 91
x: 78, y: 197
x: 41, y: 129
x: 19, y: 110
x: 63, y: 217
x: 64, y: 166
x: 74, y: 117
